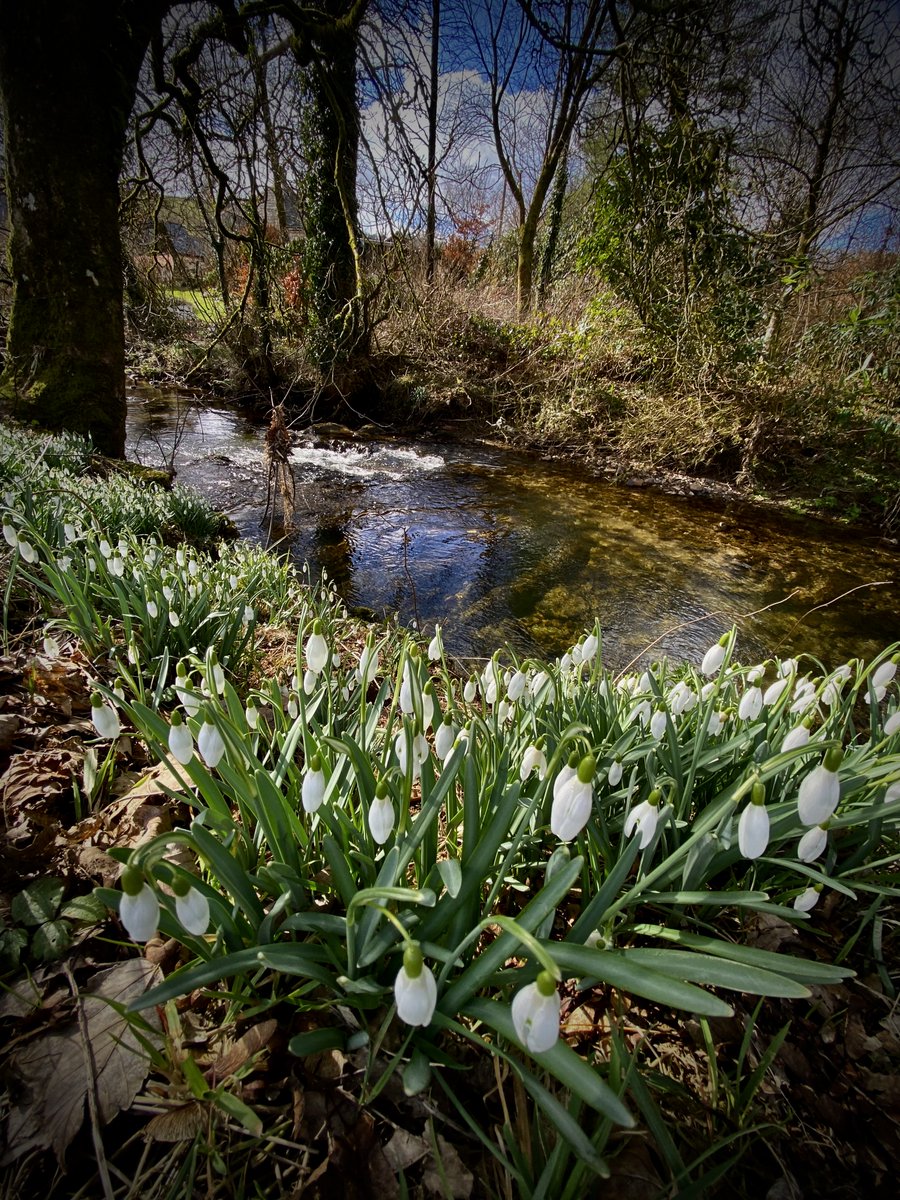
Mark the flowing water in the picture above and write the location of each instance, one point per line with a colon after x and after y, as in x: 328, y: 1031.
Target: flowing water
x: 502, y: 548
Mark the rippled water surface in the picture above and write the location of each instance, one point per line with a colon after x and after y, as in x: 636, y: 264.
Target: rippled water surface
x: 502, y: 548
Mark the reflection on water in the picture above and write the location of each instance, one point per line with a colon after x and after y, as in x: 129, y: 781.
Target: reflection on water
x: 502, y: 548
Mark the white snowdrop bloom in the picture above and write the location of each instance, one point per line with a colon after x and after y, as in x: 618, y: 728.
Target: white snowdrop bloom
x: 504, y: 712
x: 533, y: 759
x: 313, y: 789
x: 105, y: 548
x: 174, y: 619
x: 880, y: 693
x: 516, y: 687
x: 641, y: 713
x: 428, y: 705
x: 712, y: 660
x: 139, y: 911
x: 444, y: 739
x: 309, y: 681
x: 573, y: 801
x: 316, y: 649
x: 831, y: 693
x: 798, y: 736
x: 807, y: 899
x: 27, y: 551
x: 470, y: 690
x: 787, y: 667
x: 658, y: 724
x: 192, y: 911
x: 436, y: 645
x: 565, y: 664
x: 189, y: 699
x: 892, y: 724
x: 406, y: 695
x: 535, y: 1014
x: 180, y: 556
x: 368, y: 664
x: 753, y: 830
x: 10, y: 534
x: 589, y: 648
x: 707, y: 690
x: 251, y: 715
x: 181, y: 744
x: 756, y: 673
x: 566, y: 773
x: 381, y: 818
x: 884, y: 674
x: 249, y: 615
x: 819, y: 792
x: 64, y: 563
x: 751, y: 704
x: 210, y: 744
x: 682, y: 699
x: 415, y: 988
x: 168, y: 593
x: 233, y: 582
x: 90, y: 563
x: 293, y: 706
x: 811, y: 845
x: 69, y: 532
x: 644, y: 683
x: 643, y: 818
x: 614, y: 774
x: 193, y: 568
x: 218, y: 677
x: 116, y: 566
x: 104, y: 717
x: 152, y: 609
x: 774, y: 692
x: 537, y: 683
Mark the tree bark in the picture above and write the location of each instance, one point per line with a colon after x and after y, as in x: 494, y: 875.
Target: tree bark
x: 68, y: 75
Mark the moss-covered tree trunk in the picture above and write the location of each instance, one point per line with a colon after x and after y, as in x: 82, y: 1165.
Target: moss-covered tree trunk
x: 68, y: 74
x: 338, y: 322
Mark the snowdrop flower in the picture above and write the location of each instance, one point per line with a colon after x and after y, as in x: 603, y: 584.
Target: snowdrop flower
x: 533, y: 758
x: 820, y: 790
x: 774, y: 692
x: 181, y: 744
x: 444, y: 738
x: 293, y: 706
x: 180, y: 556
x: 614, y: 774
x: 117, y: 566
x: 104, y: 717
x: 210, y: 744
x: 831, y: 693
x: 27, y: 551
x: 184, y: 690
x: 516, y: 688
x: 565, y: 664
x: 565, y: 774
x: 381, y: 815
x: 504, y: 711
x: 707, y: 690
x: 428, y: 705
x: 787, y: 667
x: 489, y: 686
x: 681, y: 699
x: 658, y: 724
x: 643, y: 818
x: 193, y: 568
x: 589, y: 647
x: 313, y: 790
x: 251, y: 715
x: 808, y: 899
x: 436, y: 645
x: 191, y: 907
x: 753, y: 827
x: 716, y: 723
x: 641, y: 713
x: 406, y: 695
x: 537, y: 683
x: 174, y: 619
x: 892, y: 793
x: 812, y: 844
x: 419, y: 752
x: 713, y: 659
x: 415, y: 989
x: 798, y: 736
x: 892, y: 724
x: 10, y: 534
x: 751, y: 704
x: 105, y: 548
x: 69, y: 532
x: 139, y: 906
x: 309, y: 681
x: 152, y: 609
x: 756, y: 673
x: 316, y: 649
x: 535, y: 1014
x: 470, y: 690
x: 368, y: 664
x: 884, y: 674
x: 64, y: 562
x: 572, y: 803
x: 168, y: 593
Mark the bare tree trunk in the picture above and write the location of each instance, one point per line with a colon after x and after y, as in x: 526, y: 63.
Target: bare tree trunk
x: 431, y: 215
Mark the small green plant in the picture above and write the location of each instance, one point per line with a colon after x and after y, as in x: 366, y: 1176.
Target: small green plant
x: 42, y: 924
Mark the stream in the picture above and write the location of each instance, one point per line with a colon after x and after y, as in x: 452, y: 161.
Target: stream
x: 501, y: 547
